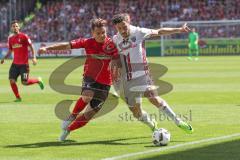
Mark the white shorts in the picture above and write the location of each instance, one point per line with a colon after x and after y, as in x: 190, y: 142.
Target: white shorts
x: 134, y: 89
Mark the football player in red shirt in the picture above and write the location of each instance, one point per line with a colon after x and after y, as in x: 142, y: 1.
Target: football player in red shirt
x: 18, y: 43
x: 100, y: 50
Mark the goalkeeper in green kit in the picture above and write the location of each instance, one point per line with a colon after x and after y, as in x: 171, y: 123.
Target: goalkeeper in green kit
x: 193, y: 44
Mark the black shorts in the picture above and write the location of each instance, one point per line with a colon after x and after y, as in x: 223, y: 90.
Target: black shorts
x: 19, y: 69
x: 100, y: 91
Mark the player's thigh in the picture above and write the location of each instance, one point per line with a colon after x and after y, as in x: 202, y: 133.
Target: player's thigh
x: 89, y: 112
x: 136, y: 88
x: 87, y: 95
x: 14, y: 72
x: 87, y: 89
x: 100, y: 96
x: 24, y: 72
x: 131, y: 98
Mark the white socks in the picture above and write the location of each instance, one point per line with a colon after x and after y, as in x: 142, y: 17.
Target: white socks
x: 165, y: 108
x: 145, y: 118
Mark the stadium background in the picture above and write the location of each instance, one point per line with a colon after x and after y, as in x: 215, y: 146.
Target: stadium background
x: 63, y: 20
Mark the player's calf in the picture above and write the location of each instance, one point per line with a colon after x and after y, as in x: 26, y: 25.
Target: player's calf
x: 68, y: 121
x: 15, y: 90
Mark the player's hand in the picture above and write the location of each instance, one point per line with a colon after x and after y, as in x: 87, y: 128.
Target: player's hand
x: 2, y: 61
x: 34, y: 61
x: 185, y: 28
x: 115, y: 69
x: 116, y: 74
x: 42, y: 50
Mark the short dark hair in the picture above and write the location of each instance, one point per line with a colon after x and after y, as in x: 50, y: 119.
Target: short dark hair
x: 97, y: 22
x: 14, y: 21
x: 118, y: 18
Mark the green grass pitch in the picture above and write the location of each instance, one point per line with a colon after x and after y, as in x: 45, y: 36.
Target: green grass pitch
x: 206, y: 92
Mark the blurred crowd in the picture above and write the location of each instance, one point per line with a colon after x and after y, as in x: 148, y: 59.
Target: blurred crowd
x: 13, y: 9
x: 69, y: 19
x: 3, y: 19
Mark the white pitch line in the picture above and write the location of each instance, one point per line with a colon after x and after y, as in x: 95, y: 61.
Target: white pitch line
x: 173, y: 147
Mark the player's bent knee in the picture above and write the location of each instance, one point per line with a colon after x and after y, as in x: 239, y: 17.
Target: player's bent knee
x: 89, y: 114
x: 157, y: 101
x: 12, y: 81
x: 24, y: 83
x: 96, y: 104
x: 87, y: 96
x: 151, y: 94
x: 86, y: 99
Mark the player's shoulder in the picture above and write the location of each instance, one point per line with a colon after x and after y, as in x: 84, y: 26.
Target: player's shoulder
x: 88, y: 40
x: 23, y: 35
x: 83, y: 40
x: 135, y: 29
x: 10, y: 36
x: 116, y: 38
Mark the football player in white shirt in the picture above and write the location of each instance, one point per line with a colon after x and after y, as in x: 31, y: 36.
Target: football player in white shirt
x: 135, y: 76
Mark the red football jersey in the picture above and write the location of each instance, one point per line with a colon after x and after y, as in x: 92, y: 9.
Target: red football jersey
x: 19, y: 43
x: 98, y: 58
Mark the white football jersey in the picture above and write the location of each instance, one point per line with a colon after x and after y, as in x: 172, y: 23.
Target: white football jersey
x: 132, y: 51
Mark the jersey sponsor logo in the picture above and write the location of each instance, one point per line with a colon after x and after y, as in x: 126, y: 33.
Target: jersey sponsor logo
x: 109, y: 48
x: 125, y: 45
x: 17, y: 45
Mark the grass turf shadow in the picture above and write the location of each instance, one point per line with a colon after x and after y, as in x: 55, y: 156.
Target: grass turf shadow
x: 221, y: 151
x: 120, y: 141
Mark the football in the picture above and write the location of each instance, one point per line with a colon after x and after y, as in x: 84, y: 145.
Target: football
x: 161, y: 137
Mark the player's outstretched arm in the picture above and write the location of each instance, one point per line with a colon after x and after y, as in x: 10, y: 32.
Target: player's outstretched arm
x: 60, y: 46
x: 168, y: 31
x: 7, y: 55
x: 34, y: 59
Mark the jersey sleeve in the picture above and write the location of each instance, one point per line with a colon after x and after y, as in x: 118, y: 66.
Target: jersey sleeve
x: 78, y: 43
x: 27, y: 40
x: 146, y: 33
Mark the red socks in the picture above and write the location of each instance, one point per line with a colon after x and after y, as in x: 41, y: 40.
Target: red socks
x: 79, y: 106
x: 32, y: 81
x: 15, y: 89
x: 78, y: 123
